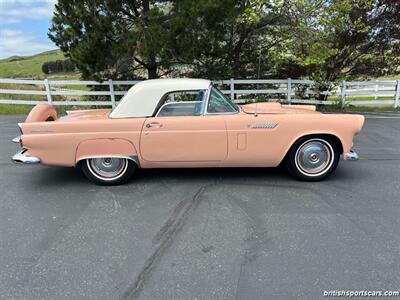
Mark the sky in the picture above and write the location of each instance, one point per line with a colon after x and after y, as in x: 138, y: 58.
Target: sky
x: 23, y: 27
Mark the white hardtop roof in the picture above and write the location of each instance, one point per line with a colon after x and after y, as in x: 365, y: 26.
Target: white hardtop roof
x: 142, y: 99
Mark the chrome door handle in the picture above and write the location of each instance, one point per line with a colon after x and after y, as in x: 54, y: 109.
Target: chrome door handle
x: 153, y: 124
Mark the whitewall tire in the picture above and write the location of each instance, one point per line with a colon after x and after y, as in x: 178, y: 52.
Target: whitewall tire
x: 108, y: 170
x: 313, y: 158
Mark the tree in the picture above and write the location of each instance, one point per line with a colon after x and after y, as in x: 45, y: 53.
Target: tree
x: 215, y: 39
x: 45, y: 68
x: 385, y: 33
x: 112, y: 38
x: 325, y: 40
x: 58, y: 66
x: 341, y: 39
x: 226, y: 38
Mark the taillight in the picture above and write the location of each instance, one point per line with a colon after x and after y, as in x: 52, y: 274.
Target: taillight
x: 20, y: 140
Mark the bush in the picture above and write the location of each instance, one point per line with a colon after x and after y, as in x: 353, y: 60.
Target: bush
x: 58, y: 66
x: 321, y: 86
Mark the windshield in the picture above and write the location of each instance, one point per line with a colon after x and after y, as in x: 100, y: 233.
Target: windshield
x: 218, y: 103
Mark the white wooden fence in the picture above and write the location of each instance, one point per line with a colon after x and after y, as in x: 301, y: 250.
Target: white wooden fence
x: 242, y: 90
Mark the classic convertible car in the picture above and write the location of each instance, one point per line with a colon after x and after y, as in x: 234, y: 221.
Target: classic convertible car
x: 170, y: 123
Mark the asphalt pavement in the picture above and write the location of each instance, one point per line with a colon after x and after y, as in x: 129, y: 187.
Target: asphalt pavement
x: 202, y: 233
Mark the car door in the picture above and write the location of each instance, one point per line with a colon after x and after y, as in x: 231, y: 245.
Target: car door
x: 181, y: 133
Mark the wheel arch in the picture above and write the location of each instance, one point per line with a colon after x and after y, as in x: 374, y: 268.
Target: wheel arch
x: 332, y: 136
x: 106, y: 147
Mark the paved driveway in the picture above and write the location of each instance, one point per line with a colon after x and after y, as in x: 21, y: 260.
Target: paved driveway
x: 202, y: 234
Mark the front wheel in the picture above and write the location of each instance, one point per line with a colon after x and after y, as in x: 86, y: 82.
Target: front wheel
x: 313, y: 158
x: 108, y: 170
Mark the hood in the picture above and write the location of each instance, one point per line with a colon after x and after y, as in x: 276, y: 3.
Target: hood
x: 277, y: 108
x: 81, y: 115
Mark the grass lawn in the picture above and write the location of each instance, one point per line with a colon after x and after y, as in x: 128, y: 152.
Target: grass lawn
x: 10, y: 109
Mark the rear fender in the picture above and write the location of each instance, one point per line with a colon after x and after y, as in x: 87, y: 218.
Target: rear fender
x: 41, y: 113
x: 106, y: 148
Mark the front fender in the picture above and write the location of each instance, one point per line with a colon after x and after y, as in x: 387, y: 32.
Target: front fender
x: 106, y: 147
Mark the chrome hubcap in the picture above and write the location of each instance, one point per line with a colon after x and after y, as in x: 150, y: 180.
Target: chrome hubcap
x: 107, y: 167
x: 314, y: 157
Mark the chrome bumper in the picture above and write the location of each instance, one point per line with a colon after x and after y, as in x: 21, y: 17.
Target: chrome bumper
x: 16, y: 139
x: 22, y: 158
x: 352, y: 156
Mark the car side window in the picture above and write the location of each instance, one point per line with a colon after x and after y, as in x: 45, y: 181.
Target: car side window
x: 218, y: 103
x: 182, y: 103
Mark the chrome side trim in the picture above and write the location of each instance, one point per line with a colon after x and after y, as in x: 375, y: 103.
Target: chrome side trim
x: 16, y: 139
x: 351, y: 156
x: 20, y: 128
x: 270, y: 125
x: 22, y: 158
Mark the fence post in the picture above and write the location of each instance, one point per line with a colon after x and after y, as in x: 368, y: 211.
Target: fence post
x: 48, y: 91
x: 289, y: 90
x: 112, y: 94
x: 342, y: 93
x: 232, y: 89
x: 397, y: 95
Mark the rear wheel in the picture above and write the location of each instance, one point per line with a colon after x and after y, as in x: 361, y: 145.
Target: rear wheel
x: 108, y: 170
x: 313, y: 158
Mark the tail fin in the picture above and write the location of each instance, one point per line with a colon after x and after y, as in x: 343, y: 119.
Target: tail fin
x: 42, y: 112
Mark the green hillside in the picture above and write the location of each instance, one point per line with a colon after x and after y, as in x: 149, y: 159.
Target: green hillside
x: 31, y: 66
